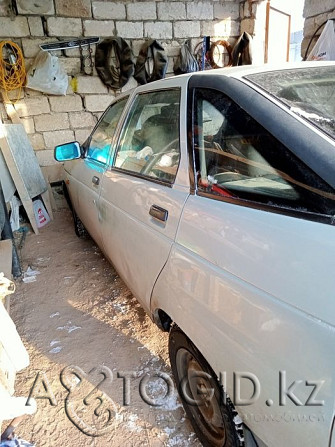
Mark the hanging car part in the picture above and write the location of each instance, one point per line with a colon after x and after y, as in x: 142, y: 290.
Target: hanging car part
x: 220, y: 54
x: 86, y: 54
x: 202, y: 56
x: 86, y: 59
x: 114, y: 62
x: 151, y: 53
x: 242, y: 51
x: 68, y: 44
x: 185, y: 62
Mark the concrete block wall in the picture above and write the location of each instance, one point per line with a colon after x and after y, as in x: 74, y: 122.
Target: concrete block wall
x: 315, y: 13
x: 51, y: 120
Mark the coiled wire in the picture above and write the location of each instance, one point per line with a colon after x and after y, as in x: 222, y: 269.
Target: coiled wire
x: 12, y: 68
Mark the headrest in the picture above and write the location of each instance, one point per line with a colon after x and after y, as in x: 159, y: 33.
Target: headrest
x: 170, y: 112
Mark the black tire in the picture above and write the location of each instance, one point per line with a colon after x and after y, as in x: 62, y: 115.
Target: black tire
x: 211, y: 416
x: 79, y: 227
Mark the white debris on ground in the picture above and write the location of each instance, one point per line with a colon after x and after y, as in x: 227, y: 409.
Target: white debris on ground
x: 30, y: 275
x: 90, y: 341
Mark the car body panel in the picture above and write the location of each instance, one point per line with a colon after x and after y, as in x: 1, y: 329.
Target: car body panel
x: 136, y: 242
x: 84, y: 193
x: 241, y: 329
x: 251, y: 284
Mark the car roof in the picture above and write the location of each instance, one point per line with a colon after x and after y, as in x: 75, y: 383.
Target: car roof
x: 245, y: 70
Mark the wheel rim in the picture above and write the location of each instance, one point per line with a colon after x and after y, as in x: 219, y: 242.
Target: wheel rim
x: 204, y: 395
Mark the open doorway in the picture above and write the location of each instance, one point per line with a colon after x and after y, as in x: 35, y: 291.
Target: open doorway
x: 284, y: 31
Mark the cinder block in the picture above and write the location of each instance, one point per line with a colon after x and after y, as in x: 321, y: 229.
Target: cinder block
x: 54, y: 121
x: 170, y: 65
x: 28, y: 124
x: 186, y: 29
x: 248, y: 25
x: 200, y: 11
x: 81, y: 135
x: 171, y: 11
x: 246, y: 10
x: 14, y: 28
x: 129, y: 30
x: 3, y: 113
x: 97, y: 103
x: 102, y: 28
x: 136, y: 45
x: 64, y: 27
x: 56, y: 137
x: 114, y: 10
x: 38, y: 7
x: 30, y: 93
x: 313, y: 7
x: 31, y: 46
x: 172, y: 48
x: 158, y: 30
x: 46, y: 158
x: 73, y: 8
x: 309, y: 27
x: 32, y: 106
x: 35, y: 26
x: 226, y: 10
x: 141, y: 11
x: 132, y: 83
x: 81, y: 120
x: 5, y: 8
x: 319, y: 19
x: 37, y: 141
x: 220, y: 30
x: 90, y: 84
x: 15, y: 95
x: 66, y: 103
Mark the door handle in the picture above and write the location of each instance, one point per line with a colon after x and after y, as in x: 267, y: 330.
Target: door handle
x: 158, y: 213
x: 95, y: 180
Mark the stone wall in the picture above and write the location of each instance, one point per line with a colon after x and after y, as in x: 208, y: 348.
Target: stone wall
x: 51, y: 120
x: 315, y: 13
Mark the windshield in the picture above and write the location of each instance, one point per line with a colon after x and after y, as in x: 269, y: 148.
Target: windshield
x: 309, y: 92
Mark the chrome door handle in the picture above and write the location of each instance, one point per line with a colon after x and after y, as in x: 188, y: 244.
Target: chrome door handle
x: 158, y: 213
x: 95, y: 180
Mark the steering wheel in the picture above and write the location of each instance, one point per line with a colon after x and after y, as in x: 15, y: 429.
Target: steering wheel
x: 155, y: 157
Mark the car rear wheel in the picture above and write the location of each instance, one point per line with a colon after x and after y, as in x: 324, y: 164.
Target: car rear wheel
x: 213, y: 418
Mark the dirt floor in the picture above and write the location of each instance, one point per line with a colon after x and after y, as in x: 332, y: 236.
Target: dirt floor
x: 81, y: 327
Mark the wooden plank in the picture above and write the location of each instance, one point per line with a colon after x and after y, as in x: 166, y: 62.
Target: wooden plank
x: 23, y: 159
x: 6, y: 258
x: 6, y: 254
x: 47, y: 196
x: 18, y: 180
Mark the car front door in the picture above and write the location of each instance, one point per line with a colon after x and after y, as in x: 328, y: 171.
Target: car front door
x: 143, y: 194
x: 85, y: 175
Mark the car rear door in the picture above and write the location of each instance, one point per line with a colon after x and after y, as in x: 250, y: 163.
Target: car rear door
x: 144, y: 191
x: 250, y: 278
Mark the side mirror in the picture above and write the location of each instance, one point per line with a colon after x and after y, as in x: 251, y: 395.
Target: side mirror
x: 68, y: 151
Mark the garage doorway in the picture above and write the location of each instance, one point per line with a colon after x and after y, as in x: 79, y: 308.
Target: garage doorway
x: 284, y: 31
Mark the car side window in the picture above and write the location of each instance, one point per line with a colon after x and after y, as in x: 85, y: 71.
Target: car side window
x: 149, y: 142
x: 237, y: 158
x: 103, y: 134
